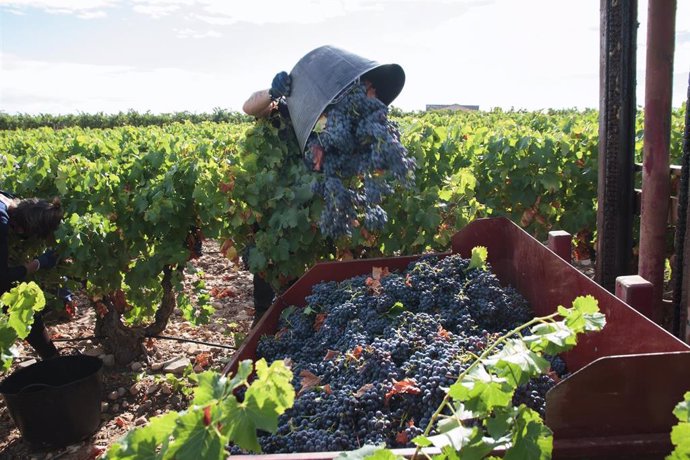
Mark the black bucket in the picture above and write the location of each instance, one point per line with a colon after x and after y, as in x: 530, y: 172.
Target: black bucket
x: 324, y: 73
x: 55, y: 402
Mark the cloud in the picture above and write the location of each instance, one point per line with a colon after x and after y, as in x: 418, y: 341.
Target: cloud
x: 34, y: 86
x: 191, y: 33
x: 86, y: 9
x: 160, y: 8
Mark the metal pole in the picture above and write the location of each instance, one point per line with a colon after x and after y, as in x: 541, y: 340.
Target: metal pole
x: 617, y: 111
x: 657, y: 132
x: 681, y: 270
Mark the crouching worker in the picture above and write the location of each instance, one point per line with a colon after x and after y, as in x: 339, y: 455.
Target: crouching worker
x: 29, y: 218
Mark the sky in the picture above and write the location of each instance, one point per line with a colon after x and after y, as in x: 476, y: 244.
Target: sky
x: 71, y: 56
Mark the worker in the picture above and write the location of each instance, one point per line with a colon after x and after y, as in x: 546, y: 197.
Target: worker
x: 323, y: 73
x: 27, y: 218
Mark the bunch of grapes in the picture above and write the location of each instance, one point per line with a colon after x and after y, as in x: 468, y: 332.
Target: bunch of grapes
x: 372, y: 357
x: 358, y: 150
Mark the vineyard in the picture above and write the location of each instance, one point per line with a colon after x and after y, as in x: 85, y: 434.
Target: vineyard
x: 140, y: 202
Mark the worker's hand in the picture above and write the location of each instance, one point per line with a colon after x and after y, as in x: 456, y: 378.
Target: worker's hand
x: 64, y: 294
x: 48, y: 259
x: 280, y: 86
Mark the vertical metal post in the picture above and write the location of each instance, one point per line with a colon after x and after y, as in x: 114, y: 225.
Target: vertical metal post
x: 657, y: 132
x: 617, y: 111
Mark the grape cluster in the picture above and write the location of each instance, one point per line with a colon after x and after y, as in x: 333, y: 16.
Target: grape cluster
x: 361, y: 157
x: 385, y: 350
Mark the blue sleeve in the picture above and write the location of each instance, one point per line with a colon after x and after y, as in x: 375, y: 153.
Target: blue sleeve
x: 7, y: 274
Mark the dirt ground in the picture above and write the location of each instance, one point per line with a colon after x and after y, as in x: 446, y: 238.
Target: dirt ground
x: 139, y: 390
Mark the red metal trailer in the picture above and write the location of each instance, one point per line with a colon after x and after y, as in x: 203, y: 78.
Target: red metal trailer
x: 626, y: 379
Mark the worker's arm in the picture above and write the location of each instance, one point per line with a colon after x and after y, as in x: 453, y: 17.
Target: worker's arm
x: 259, y: 104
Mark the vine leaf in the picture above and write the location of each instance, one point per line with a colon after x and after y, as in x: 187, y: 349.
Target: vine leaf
x: 266, y: 398
x: 195, y: 439
x: 22, y: 302
x: 478, y: 259
x: 584, y: 316
x: 481, y: 391
x: 531, y: 438
x: 369, y: 452
x: 143, y: 442
x: 211, y: 387
x: 517, y: 363
x: 680, y: 433
x: 457, y: 438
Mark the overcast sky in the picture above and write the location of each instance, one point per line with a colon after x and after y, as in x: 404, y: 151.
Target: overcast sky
x: 68, y: 56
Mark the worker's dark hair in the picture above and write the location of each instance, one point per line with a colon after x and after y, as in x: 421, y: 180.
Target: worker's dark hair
x: 37, y: 217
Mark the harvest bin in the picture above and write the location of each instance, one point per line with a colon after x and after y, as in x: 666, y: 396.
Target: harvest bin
x: 625, y: 380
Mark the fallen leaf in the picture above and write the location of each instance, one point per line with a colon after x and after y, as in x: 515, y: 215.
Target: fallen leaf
x: 318, y: 322
x: 366, y: 387
x: 379, y: 272
x: 402, y: 438
x: 444, y: 334
x: 308, y: 381
x: 406, y: 386
x: 330, y: 355
x: 355, y: 353
x: 120, y: 422
x: 203, y: 359
x: 327, y: 389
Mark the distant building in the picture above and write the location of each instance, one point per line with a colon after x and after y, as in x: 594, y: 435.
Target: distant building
x: 453, y: 107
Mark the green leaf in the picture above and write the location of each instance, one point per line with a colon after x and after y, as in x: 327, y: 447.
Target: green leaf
x: 531, y: 438
x: 274, y: 383
x: 680, y: 437
x: 211, y: 386
x: 517, y: 363
x: 242, y: 420
x: 682, y: 409
x: 499, y: 424
x: 421, y: 441
x: 143, y: 443
x: 481, y: 391
x: 244, y: 370
x: 269, y: 395
x: 456, y: 438
x: 369, y: 451
x: 551, y: 338
x: 194, y: 439
x: 478, y: 259
x: 584, y: 315
x: 23, y: 301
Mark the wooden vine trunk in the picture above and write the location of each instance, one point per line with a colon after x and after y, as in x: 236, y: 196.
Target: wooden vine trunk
x: 126, y: 342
